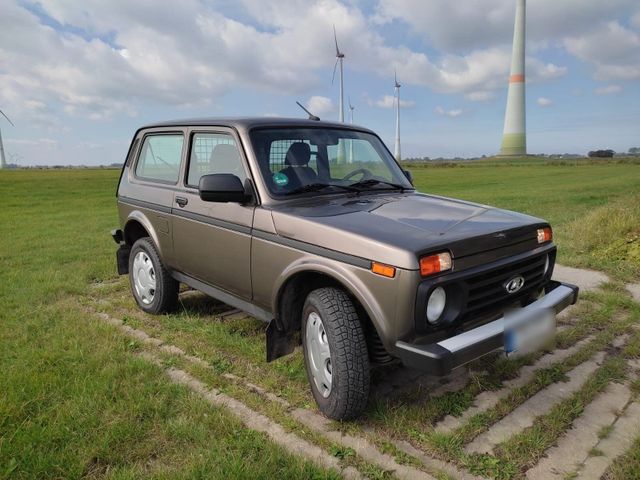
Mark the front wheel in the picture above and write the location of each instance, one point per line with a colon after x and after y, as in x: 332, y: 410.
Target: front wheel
x: 335, y: 354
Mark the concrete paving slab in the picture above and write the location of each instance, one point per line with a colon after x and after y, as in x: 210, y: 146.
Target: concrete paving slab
x: 486, y: 400
x: 625, y: 431
x: 539, y: 404
x: 587, y: 280
x: 574, y: 446
x: 634, y: 290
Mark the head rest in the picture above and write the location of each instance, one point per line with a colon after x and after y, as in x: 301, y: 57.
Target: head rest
x: 298, y: 155
x: 225, y: 158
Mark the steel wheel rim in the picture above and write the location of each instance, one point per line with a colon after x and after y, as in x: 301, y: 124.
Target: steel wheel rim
x: 144, y: 278
x: 318, y: 354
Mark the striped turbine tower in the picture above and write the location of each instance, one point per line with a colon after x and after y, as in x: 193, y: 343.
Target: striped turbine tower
x: 514, y: 140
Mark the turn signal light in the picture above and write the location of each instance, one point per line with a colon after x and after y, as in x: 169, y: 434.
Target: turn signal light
x: 435, y: 263
x: 382, y: 269
x: 545, y: 235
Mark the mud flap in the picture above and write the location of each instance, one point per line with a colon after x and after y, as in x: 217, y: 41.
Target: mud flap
x: 279, y: 342
x: 122, y: 259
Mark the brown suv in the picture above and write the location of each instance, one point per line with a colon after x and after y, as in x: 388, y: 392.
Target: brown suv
x: 314, y: 228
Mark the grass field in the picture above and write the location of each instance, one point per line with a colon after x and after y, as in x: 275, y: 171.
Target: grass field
x: 593, y: 207
x: 77, y: 401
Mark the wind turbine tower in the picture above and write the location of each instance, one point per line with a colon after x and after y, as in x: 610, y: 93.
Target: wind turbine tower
x: 339, y: 60
x: 397, y: 95
x: 3, y: 160
x: 351, y: 109
x: 514, y: 140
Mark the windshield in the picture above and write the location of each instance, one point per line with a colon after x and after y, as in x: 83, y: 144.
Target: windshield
x: 297, y: 161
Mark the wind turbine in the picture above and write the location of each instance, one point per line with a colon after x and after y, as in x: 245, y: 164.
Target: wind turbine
x: 514, y: 139
x: 351, y: 109
x: 396, y: 94
x: 3, y: 161
x: 339, y: 60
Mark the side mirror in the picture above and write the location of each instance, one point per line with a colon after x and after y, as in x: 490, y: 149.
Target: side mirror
x: 222, y: 187
x: 409, y: 175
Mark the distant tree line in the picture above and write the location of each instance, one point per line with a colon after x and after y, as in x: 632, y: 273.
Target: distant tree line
x: 601, y: 154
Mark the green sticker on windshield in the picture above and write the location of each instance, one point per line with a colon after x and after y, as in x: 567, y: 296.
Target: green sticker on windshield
x: 280, y: 179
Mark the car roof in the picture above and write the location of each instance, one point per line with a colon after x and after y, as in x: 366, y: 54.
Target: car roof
x: 247, y: 123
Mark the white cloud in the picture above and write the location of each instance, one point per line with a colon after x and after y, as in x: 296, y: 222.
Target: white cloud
x: 161, y: 55
x: 389, y: 101
x: 448, y: 113
x: 588, y: 30
x: 473, y: 24
x: 608, y: 90
x: 320, y: 105
x: 612, y: 49
x: 544, y: 102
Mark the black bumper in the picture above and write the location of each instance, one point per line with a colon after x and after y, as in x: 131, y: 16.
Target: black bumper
x: 442, y: 357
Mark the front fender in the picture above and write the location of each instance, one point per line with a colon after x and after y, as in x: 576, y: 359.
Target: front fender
x: 352, y: 278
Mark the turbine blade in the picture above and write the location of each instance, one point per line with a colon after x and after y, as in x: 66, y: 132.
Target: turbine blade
x: 333, y: 77
x: 8, y: 119
x: 335, y: 37
x: 395, y: 76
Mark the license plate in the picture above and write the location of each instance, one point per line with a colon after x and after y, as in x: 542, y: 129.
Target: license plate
x: 527, y: 332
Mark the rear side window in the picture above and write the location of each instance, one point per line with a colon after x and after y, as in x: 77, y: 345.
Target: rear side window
x: 160, y: 158
x: 214, y: 153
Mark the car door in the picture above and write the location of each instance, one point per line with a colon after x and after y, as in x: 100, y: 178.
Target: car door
x: 147, y: 190
x: 212, y: 241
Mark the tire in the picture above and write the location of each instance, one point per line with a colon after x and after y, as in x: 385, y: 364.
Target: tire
x: 146, y: 270
x: 348, y: 360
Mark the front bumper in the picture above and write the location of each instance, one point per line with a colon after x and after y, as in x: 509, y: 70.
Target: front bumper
x: 442, y: 357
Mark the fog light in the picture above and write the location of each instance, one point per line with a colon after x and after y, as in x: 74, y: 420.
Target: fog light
x: 435, y: 305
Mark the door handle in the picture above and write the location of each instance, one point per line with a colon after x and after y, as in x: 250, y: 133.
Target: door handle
x: 182, y: 201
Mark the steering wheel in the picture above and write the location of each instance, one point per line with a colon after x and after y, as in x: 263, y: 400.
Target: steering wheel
x: 363, y: 171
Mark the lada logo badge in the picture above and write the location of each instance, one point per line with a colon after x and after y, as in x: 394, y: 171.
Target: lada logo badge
x: 514, y: 284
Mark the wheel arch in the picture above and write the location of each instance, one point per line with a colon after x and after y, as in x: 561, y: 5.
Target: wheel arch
x: 302, y: 277
x: 138, y: 226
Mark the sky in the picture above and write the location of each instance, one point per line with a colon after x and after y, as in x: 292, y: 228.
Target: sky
x: 78, y: 78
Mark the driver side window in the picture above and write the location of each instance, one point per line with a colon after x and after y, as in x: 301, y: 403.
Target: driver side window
x: 214, y: 153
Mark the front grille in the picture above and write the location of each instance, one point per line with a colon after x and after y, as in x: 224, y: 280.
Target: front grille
x: 486, y: 290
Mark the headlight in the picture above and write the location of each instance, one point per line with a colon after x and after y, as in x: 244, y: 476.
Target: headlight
x: 435, y: 305
x: 435, y: 263
x: 544, y: 235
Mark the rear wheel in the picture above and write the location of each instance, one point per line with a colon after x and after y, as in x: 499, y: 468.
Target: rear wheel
x: 152, y: 286
x: 335, y: 353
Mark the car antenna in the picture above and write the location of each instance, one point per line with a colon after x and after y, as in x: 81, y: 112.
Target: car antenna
x: 311, y: 115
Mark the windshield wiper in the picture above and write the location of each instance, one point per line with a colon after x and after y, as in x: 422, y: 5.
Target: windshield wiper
x: 316, y: 187
x: 374, y: 181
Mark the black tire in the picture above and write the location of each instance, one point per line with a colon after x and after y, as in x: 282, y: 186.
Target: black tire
x: 349, y: 359
x: 165, y: 296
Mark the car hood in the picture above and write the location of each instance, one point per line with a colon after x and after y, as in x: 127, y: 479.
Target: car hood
x: 398, y: 228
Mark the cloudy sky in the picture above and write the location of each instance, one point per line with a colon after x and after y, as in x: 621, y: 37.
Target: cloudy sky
x: 77, y: 78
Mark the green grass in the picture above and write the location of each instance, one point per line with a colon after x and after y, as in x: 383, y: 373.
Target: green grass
x: 594, y: 207
x: 74, y: 400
